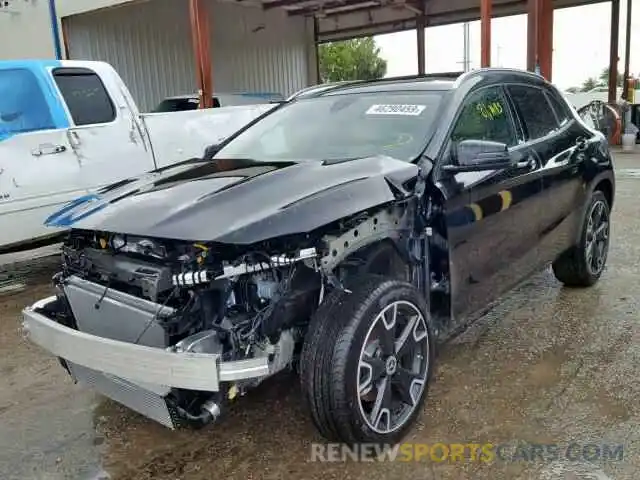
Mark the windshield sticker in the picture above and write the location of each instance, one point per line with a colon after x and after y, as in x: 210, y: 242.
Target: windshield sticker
x: 395, y: 110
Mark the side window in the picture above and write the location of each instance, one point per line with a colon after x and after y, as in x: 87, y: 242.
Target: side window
x: 562, y: 110
x: 534, y: 109
x: 85, y: 96
x: 485, y: 116
x: 23, y: 106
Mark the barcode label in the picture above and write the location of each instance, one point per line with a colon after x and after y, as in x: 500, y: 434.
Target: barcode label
x: 395, y: 110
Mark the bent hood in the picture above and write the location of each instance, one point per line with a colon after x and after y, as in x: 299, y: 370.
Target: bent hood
x: 238, y: 201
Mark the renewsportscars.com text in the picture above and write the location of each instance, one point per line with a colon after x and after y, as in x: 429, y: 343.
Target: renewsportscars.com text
x: 467, y: 452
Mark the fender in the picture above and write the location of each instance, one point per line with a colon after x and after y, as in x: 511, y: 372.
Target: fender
x: 593, y: 182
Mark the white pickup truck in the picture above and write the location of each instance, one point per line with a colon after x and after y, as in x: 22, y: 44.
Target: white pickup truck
x: 68, y: 128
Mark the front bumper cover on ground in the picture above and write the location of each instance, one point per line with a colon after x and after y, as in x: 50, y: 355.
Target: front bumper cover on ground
x: 137, y: 363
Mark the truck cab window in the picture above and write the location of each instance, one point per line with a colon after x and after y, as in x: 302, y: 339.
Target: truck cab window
x: 485, y: 116
x: 23, y: 107
x: 534, y: 109
x: 86, y: 97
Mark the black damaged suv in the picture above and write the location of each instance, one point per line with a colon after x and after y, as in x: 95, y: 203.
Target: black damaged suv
x: 343, y: 234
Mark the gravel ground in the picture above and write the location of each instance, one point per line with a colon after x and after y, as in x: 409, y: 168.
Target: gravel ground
x: 548, y: 365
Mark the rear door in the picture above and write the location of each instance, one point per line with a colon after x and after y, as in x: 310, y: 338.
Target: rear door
x: 106, y: 136
x: 491, y: 237
x: 554, y: 134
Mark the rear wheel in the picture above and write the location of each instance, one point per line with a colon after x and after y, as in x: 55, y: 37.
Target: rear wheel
x: 583, y: 265
x: 367, y: 361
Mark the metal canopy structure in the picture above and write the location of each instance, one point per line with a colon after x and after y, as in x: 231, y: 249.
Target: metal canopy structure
x: 343, y: 19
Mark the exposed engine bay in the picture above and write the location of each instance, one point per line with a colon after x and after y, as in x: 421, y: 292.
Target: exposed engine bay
x: 254, y: 305
x: 238, y: 303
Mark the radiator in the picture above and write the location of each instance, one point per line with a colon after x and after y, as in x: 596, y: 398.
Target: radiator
x: 149, y: 402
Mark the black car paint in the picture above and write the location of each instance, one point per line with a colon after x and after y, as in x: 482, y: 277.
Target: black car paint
x: 240, y: 202
x: 493, y: 253
x: 243, y: 201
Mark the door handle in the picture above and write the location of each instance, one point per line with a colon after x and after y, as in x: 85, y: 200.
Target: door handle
x: 48, y: 149
x: 581, y: 144
x: 528, y: 163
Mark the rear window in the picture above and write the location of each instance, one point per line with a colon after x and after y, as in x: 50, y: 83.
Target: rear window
x: 182, y: 104
x: 177, y: 105
x: 23, y: 107
x: 86, y: 97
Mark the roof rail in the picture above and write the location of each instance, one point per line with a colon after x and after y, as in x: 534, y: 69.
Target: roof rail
x: 519, y: 71
x: 439, y: 75
x: 324, y: 87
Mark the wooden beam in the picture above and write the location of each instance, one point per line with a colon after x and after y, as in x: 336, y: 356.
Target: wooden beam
x: 420, y: 34
x: 201, y: 51
x: 540, y: 37
x: 627, y: 53
x: 485, y: 33
x: 545, y: 53
x: 613, y: 51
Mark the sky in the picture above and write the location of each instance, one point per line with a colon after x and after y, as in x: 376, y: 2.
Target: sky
x: 580, y: 44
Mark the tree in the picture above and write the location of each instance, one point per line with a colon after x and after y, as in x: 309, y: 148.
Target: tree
x: 589, y: 84
x: 356, y: 59
x: 604, y: 78
x: 573, y: 89
x: 601, y: 81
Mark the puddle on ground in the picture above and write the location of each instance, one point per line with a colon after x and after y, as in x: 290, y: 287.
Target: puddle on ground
x: 628, y: 172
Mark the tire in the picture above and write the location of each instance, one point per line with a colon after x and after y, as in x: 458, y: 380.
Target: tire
x: 583, y: 264
x: 348, y: 327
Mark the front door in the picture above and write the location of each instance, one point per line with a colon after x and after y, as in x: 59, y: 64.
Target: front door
x: 491, y: 215
x: 105, y: 136
x: 38, y: 170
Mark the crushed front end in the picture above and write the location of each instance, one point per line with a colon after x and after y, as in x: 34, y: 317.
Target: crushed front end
x: 172, y: 329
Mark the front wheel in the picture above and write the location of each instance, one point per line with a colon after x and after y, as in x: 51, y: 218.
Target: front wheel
x: 367, y: 361
x: 583, y: 265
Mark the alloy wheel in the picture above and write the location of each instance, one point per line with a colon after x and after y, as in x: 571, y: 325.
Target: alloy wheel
x: 393, y: 366
x: 597, y: 237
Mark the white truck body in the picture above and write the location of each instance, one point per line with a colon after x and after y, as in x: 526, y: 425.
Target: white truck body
x: 581, y: 99
x: 55, y: 147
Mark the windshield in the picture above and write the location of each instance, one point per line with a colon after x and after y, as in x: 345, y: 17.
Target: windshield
x: 341, y: 126
x: 23, y: 107
x: 177, y: 105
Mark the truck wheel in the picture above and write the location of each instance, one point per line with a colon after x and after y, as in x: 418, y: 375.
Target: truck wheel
x: 582, y: 265
x: 367, y: 361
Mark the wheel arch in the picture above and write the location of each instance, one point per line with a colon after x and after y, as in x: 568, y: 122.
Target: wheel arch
x: 386, y: 229
x: 385, y: 256
x: 605, y: 185
x: 603, y: 182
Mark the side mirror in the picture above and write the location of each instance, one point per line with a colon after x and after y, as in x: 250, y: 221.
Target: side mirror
x: 210, y: 151
x: 479, y: 155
